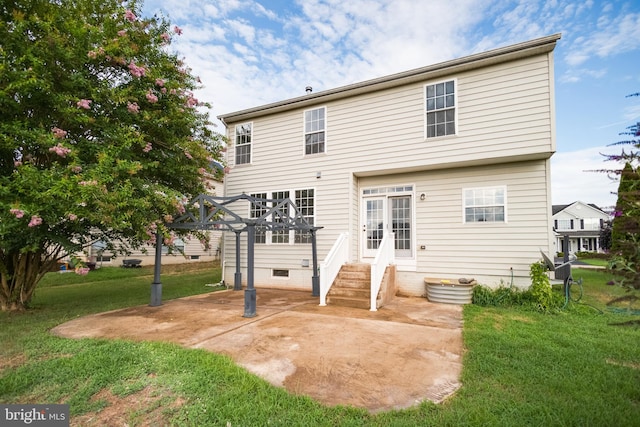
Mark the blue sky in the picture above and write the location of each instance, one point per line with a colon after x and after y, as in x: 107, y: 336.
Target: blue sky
x: 253, y: 52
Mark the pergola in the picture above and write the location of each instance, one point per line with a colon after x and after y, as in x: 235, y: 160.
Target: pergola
x: 207, y: 212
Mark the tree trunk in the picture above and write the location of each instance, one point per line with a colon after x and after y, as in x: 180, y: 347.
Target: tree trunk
x: 20, y: 273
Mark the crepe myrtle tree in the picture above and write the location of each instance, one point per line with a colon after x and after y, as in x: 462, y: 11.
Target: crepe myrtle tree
x: 101, y: 137
x: 625, y: 233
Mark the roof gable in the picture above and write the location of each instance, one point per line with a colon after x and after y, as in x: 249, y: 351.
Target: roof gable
x: 580, y: 209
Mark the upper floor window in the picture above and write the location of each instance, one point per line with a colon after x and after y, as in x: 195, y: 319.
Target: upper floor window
x: 243, y: 143
x: 441, y: 111
x: 486, y: 204
x: 314, y: 131
x: 591, y: 223
x: 564, y: 224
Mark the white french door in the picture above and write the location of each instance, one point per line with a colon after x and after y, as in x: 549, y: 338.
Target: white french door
x: 384, y: 214
x: 374, y: 224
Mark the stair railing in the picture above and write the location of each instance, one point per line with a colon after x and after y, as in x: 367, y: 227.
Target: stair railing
x: 329, y: 268
x: 385, y: 256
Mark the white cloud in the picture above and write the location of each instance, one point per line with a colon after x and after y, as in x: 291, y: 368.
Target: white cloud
x: 574, y: 75
x: 613, y: 35
x: 574, y: 178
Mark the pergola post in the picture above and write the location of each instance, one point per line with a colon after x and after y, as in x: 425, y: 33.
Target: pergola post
x: 315, y: 279
x: 237, y: 277
x: 250, y: 292
x: 156, y: 286
x: 214, y: 211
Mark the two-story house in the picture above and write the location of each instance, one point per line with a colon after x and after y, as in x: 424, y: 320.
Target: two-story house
x: 452, y: 160
x: 581, y: 223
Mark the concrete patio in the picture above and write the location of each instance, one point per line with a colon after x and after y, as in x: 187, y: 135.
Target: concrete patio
x: 404, y: 353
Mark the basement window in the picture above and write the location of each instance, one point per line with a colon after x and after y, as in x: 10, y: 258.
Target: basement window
x: 279, y: 273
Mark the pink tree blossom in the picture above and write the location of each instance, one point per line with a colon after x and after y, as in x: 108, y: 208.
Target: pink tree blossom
x: 122, y: 33
x: 19, y: 213
x: 130, y: 16
x: 147, y: 147
x: 84, y: 103
x: 60, y: 150
x: 72, y: 217
x: 76, y: 169
x: 177, y: 30
x: 133, y: 107
x: 151, y: 97
x: 180, y: 208
x: 188, y: 155
x: 160, y: 82
x: 165, y: 37
x: 59, y: 133
x: 135, y: 70
x: 191, y: 101
x: 35, y: 221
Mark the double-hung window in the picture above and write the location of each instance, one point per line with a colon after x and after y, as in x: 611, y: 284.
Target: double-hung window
x: 280, y: 235
x: 314, y: 130
x: 487, y: 204
x: 244, y: 133
x: 256, y: 210
x: 306, y: 205
x: 441, y: 109
x: 304, y: 200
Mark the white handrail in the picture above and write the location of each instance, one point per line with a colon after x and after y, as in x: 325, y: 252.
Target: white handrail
x: 329, y: 268
x: 384, y: 257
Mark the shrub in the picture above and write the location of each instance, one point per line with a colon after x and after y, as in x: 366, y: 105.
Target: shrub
x: 592, y: 255
x: 539, y: 297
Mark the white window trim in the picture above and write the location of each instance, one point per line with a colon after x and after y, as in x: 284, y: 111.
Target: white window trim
x: 235, y: 138
x: 404, y: 263
x: 292, y: 193
x: 424, y: 108
x: 326, y: 134
x: 486, y: 223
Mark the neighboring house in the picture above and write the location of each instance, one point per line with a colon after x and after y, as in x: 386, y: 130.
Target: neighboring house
x: 582, y: 223
x: 183, y: 251
x: 453, y: 158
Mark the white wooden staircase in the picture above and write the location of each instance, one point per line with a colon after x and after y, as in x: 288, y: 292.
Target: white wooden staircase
x: 352, y: 287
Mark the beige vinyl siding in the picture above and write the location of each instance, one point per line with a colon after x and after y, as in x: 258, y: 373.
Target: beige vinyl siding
x: 504, y: 122
x: 485, y: 251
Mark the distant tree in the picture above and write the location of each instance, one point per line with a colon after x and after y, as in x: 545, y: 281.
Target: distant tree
x: 605, y: 236
x: 625, y: 234
x: 101, y: 137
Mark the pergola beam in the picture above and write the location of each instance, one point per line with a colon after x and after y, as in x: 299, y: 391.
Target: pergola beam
x: 207, y: 212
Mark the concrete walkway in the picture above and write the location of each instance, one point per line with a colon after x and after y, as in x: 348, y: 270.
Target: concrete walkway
x: 396, y: 357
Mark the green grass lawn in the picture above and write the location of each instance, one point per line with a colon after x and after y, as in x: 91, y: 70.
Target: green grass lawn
x: 595, y: 261
x: 572, y: 368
